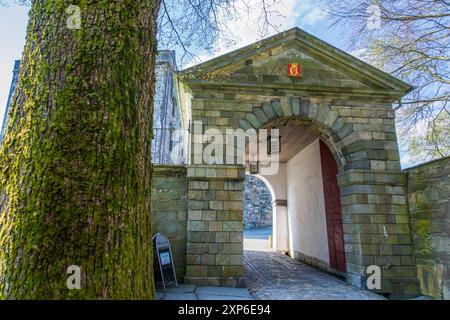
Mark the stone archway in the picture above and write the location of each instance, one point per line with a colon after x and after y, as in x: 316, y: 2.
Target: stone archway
x: 327, y: 123
x: 303, y: 136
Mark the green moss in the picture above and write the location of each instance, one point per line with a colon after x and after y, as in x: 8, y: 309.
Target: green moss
x: 75, y: 166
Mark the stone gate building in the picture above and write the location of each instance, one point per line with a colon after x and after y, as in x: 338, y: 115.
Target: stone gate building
x: 339, y: 196
x: 339, y: 101
x: 340, y: 199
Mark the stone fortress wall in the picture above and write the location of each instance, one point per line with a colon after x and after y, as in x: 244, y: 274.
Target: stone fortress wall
x: 429, y: 209
x: 257, y: 203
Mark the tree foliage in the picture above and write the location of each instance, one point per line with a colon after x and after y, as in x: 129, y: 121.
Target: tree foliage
x: 193, y: 25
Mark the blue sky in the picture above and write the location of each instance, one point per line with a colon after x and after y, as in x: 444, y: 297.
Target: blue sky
x: 13, y: 23
x: 294, y: 13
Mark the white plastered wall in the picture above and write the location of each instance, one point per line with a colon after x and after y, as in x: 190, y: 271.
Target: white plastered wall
x: 278, y: 187
x: 306, y: 206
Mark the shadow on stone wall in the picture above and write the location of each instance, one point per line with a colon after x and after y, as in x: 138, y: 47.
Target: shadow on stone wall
x: 169, y: 214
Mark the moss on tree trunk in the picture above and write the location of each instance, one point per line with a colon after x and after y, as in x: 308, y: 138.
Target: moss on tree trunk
x: 75, y: 161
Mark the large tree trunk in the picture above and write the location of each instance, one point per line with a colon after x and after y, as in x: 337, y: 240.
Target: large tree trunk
x: 75, y: 161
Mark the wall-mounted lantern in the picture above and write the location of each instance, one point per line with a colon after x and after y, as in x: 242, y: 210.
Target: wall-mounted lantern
x: 253, y: 165
x: 273, y: 145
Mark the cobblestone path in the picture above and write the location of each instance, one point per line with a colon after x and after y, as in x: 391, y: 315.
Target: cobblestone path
x: 273, y: 276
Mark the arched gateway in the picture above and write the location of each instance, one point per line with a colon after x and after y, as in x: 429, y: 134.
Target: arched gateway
x: 335, y: 116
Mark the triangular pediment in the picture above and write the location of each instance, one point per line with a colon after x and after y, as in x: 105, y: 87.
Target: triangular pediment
x: 322, y: 66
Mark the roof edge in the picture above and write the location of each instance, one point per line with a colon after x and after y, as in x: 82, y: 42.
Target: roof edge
x: 344, y: 58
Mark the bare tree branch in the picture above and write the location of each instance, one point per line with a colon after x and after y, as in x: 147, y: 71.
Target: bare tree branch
x: 414, y: 45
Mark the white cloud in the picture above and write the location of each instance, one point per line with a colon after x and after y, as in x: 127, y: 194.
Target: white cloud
x: 361, y: 54
x: 247, y: 26
x: 311, y: 12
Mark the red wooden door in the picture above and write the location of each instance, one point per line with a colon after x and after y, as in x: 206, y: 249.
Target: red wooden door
x: 333, y: 209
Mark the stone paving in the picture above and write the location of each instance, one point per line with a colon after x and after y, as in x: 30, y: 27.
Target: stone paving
x: 192, y: 292
x: 272, y: 276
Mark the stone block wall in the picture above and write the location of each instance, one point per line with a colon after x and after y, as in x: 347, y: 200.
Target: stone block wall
x: 169, y: 214
x: 429, y: 209
x: 215, y: 230
x: 12, y: 89
x: 257, y: 203
x: 376, y: 230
